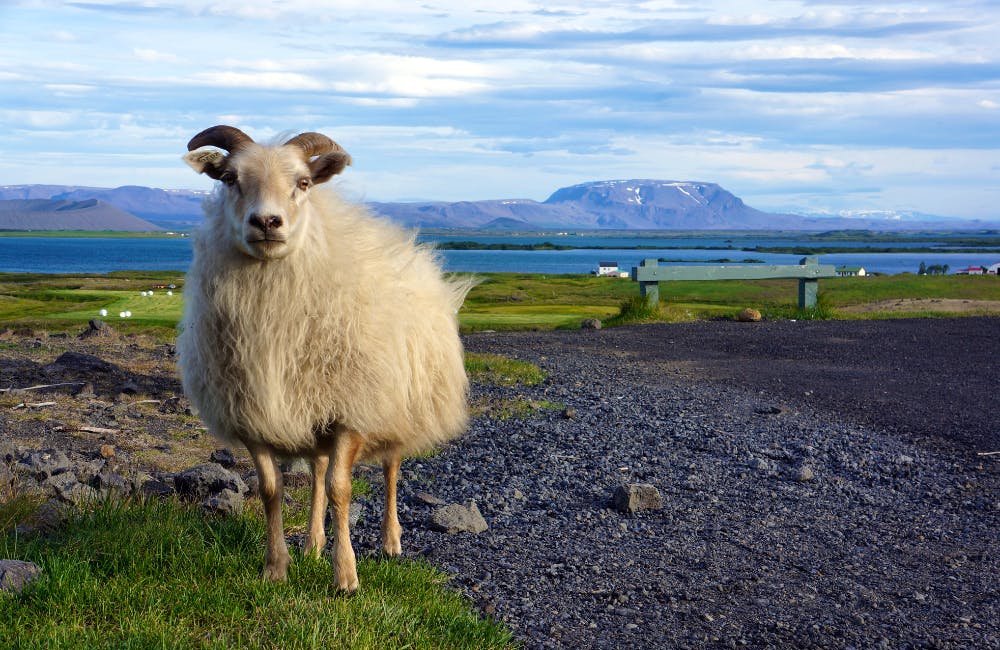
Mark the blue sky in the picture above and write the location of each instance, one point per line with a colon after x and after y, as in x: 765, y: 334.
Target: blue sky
x: 802, y: 105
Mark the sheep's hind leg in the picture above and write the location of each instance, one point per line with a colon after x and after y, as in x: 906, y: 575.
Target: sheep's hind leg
x: 391, y: 530
x: 346, y: 449
x: 320, y: 463
x: 271, y: 493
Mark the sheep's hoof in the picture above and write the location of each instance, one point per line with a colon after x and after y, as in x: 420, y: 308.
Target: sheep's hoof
x: 391, y: 536
x: 277, y: 570
x: 392, y: 548
x: 275, y: 574
x: 347, y: 583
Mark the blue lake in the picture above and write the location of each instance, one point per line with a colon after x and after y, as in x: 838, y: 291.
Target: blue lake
x: 100, y: 255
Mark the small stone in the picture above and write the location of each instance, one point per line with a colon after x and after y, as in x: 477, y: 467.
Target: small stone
x: 354, y: 514
x: 223, y: 457
x: 455, y: 518
x: 748, y: 315
x: 636, y: 497
x: 429, y: 498
x: 107, y: 451
x: 805, y: 474
x: 590, y: 324
x: 16, y: 574
x: 569, y: 413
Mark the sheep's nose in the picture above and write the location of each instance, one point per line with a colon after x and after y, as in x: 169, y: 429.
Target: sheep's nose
x: 265, y: 223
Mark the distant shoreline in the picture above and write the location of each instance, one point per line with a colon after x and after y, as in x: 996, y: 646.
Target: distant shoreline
x: 84, y: 234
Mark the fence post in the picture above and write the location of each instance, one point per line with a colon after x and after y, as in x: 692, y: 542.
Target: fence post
x: 808, y: 287
x: 650, y: 290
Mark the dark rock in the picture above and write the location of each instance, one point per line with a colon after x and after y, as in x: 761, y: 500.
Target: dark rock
x: 569, y: 413
x: 156, y: 489
x: 111, y: 482
x: 223, y: 457
x: 10, y: 451
x: 198, y: 483
x: 16, y: 574
x: 42, y: 464
x: 98, y: 328
x: 58, y: 484
x: 129, y: 387
x: 456, y: 518
x: 79, y: 362
x: 590, y: 324
x: 172, y: 405
x: 224, y: 503
x: 46, y: 519
x: 636, y: 497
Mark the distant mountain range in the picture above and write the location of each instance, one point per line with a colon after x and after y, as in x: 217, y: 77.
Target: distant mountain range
x: 62, y: 214
x: 599, y: 205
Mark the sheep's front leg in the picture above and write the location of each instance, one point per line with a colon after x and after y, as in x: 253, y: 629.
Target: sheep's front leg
x: 346, y: 449
x: 271, y: 493
x: 317, y: 531
x: 391, y: 530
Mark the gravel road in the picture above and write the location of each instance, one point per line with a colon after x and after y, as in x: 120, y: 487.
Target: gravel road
x: 821, y: 481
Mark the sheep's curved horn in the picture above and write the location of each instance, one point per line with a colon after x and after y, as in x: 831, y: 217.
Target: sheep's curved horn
x: 224, y: 137
x: 314, y: 144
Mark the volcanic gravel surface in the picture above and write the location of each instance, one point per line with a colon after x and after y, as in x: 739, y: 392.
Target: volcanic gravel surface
x: 822, y: 487
x: 824, y: 484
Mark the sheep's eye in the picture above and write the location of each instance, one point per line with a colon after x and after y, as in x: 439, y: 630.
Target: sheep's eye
x: 229, y: 178
x: 304, y: 184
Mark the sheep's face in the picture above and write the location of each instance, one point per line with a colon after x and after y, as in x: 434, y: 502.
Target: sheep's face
x: 265, y: 193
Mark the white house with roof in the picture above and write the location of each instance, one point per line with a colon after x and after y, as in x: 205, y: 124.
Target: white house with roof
x: 851, y: 271
x: 993, y: 269
x: 972, y: 270
x: 610, y: 269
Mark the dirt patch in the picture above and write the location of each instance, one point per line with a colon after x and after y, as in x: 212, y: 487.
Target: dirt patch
x: 924, y: 305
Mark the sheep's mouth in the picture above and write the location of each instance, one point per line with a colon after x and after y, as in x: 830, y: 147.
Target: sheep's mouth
x: 267, y: 247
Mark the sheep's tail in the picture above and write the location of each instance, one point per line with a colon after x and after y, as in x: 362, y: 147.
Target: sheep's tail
x: 460, y: 285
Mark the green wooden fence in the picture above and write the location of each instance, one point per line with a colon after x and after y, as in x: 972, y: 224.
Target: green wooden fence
x: 808, y: 272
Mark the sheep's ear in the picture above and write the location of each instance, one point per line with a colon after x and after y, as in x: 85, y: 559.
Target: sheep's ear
x: 210, y: 162
x: 329, y: 165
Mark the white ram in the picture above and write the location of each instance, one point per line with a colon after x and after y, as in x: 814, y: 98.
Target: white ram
x: 313, y: 329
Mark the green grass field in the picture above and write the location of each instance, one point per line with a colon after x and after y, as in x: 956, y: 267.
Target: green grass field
x: 159, y: 574
x: 501, y: 301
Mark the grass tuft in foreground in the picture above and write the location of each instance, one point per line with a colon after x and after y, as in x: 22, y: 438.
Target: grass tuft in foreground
x: 160, y: 574
x: 634, y: 309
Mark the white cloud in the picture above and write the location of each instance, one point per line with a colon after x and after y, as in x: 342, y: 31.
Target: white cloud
x: 258, y: 80
x: 149, y: 55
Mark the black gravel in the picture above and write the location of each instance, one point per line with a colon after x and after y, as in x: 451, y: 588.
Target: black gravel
x: 822, y: 488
